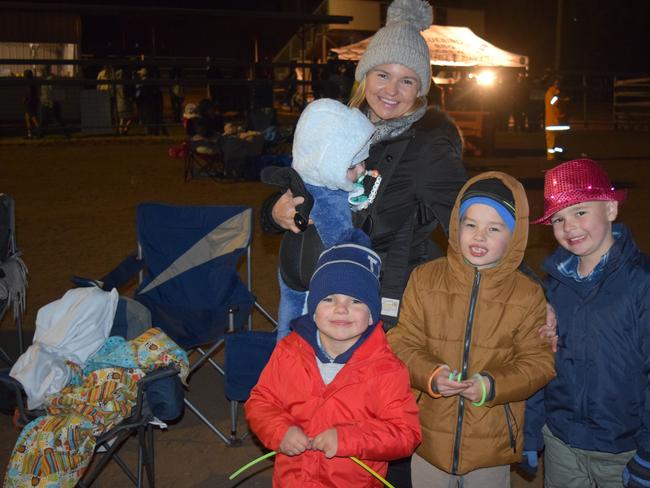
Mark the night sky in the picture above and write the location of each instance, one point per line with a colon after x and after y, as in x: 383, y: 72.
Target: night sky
x: 597, y: 35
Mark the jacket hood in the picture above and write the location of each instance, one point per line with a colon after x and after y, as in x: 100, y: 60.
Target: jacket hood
x: 329, y: 139
x: 514, y: 253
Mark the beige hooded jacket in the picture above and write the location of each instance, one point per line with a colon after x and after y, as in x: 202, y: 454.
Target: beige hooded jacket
x: 477, y: 321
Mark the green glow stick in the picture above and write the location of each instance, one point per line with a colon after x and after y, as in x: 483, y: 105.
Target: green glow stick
x: 252, y: 463
x: 371, y: 471
x: 273, y: 453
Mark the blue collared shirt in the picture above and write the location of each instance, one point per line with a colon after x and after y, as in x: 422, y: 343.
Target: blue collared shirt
x: 569, y: 267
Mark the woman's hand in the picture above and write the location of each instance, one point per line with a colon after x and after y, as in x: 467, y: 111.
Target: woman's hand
x: 548, y: 331
x: 284, y: 211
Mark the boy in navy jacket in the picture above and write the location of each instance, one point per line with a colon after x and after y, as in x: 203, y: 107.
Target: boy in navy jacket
x: 594, y: 417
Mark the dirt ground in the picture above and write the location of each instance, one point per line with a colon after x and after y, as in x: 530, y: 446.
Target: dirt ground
x: 75, y: 210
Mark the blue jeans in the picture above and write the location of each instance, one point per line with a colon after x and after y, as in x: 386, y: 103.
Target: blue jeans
x: 293, y: 304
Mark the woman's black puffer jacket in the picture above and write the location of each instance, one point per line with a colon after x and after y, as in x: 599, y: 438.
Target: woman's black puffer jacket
x: 422, y: 171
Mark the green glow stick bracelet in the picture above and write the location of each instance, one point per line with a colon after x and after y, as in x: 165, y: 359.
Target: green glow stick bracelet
x: 483, y: 391
x: 273, y: 453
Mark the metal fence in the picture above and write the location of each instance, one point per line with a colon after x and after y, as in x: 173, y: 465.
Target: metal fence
x: 90, y: 105
x: 631, y: 107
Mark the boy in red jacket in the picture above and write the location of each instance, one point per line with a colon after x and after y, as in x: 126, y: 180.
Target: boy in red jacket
x: 333, y: 388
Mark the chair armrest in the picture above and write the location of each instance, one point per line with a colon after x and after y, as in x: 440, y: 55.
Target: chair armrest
x: 119, y: 276
x: 13, y: 385
x: 155, y: 375
x: 158, y: 374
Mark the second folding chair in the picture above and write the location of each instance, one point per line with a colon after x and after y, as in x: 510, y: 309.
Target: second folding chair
x: 13, y: 275
x: 188, y: 258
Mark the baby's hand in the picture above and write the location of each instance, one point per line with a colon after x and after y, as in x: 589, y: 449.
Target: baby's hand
x: 474, y: 392
x: 327, y: 441
x: 449, y: 387
x: 294, y: 442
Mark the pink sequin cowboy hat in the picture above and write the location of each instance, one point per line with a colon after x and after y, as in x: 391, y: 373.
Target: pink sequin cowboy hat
x: 577, y: 181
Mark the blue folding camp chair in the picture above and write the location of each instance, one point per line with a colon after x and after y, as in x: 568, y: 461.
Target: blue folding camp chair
x: 13, y: 273
x: 187, y: 259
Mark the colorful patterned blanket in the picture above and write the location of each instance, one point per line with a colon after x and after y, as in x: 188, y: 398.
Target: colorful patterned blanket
x: 54, y: 450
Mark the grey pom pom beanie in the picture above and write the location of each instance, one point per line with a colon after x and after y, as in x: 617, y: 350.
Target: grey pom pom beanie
x: 400, y: 41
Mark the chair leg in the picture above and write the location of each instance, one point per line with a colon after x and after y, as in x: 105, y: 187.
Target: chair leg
x: 139, y: 466
x: 206, y: 421
x: 152, y: 456
x: 234, y: 413
x: 19, y: 329
x: 145, y: 455
x: 90, y: 477
x: 5, y: 357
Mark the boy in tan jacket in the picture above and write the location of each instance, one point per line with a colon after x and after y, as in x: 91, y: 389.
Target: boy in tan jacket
x: 468, y: 332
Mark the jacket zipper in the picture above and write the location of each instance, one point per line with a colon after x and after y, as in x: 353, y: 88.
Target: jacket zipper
x: 513, y: 433
x: 468, y: 341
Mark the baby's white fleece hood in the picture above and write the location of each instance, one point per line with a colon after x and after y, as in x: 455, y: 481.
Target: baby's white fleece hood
x: 329, y: 139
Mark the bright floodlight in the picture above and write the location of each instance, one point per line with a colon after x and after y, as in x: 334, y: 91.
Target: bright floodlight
x: 485, y: 78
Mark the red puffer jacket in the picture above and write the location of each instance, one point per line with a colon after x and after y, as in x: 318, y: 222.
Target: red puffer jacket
x: 369, y: 402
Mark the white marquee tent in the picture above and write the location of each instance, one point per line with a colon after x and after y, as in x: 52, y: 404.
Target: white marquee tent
x: 451, y: 46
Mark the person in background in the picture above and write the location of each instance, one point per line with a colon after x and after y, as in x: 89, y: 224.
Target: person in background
x: 291, y: 87
x: 107, y: 73
x: 520, y: 102
x: 148, y: 99
x: 554, y: 119
x: 50, y: 109
x: 176, y: 94
x: 124, y: 101
x: 30, y: 103
x: 160, y: 127
x: 204, y: 128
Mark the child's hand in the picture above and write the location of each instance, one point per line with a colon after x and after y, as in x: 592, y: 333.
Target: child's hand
x: 327, y: 441
x: 474, y: 392
x: 294, y: 442
x: 447, y: 387
x: 548, y: 331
